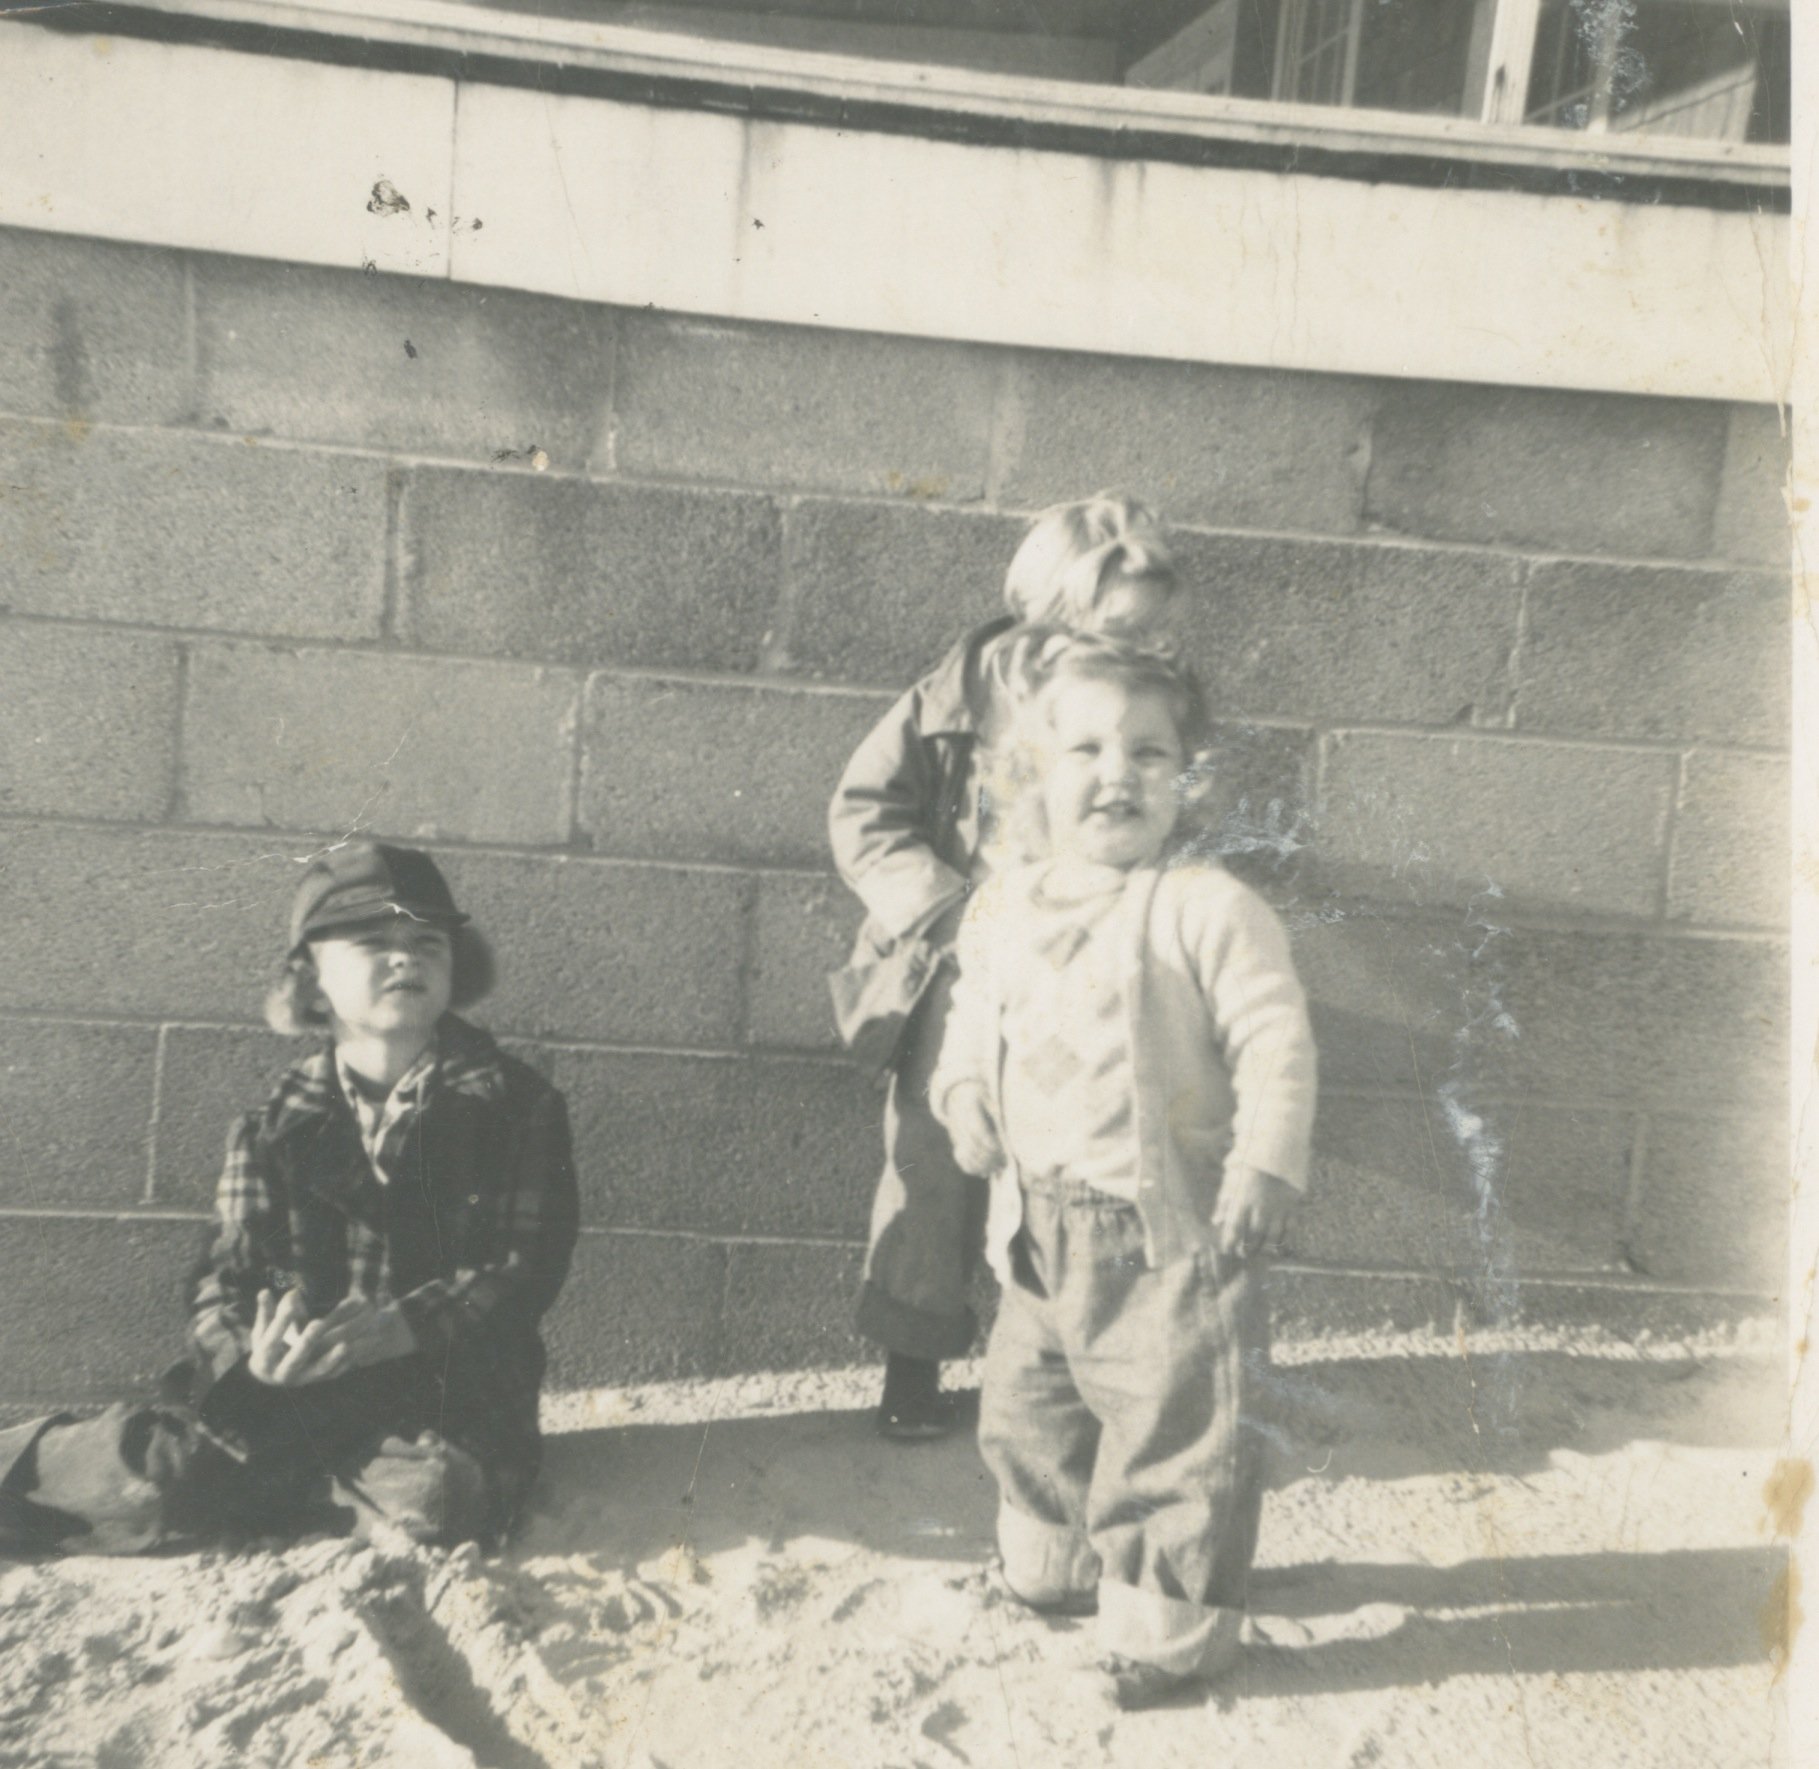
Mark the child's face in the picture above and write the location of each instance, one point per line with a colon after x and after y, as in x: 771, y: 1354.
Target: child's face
x: 1110, y: 789
x: 1133, y: 607
x: 386, y: 979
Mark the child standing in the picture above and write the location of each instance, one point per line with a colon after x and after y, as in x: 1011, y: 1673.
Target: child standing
x: 391, y: 1226
x: 906, y: 830
x: 1128, y: 1055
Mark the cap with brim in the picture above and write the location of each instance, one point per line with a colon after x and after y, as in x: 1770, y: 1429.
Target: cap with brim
x: 370, y: 881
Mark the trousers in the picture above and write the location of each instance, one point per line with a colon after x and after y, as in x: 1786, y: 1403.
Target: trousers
x: 928, y: 1217
x: 360, y: 1444
x: 1119, y: 1420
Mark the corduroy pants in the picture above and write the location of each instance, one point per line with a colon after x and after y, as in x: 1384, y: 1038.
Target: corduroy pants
x: 1119, y: 1421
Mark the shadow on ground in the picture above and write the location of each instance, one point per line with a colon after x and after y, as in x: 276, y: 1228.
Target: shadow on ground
x: 821, y: 1484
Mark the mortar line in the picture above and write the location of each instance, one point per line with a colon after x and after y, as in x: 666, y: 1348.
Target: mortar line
x: 774, y: 646
x: 1440, y: 918
x: 1518, y: 658
x: 391, y: 576
x: 880, y: 693
x: 1375, y: 541
x: 155, y: 1120
x: 176, y: 802
x: 1556, y: 1279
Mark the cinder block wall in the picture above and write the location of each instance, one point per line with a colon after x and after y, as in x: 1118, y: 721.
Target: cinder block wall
x: 594, y: 603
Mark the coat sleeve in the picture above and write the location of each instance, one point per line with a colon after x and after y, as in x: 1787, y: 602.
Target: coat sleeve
x: 239, y: 1263
x: 538, y: 1225
x: 1259, y: 1014
x: 881, y: 826
x: 969, y: 1041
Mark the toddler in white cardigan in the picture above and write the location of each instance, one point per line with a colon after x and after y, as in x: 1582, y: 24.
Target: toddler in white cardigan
x: 1128, y: 1056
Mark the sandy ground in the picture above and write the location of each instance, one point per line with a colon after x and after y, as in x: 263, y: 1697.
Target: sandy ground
x: 1524, y: 1552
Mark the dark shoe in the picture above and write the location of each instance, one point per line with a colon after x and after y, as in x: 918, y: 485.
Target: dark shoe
x: 913, y: 1408
x: 1133, y: 1684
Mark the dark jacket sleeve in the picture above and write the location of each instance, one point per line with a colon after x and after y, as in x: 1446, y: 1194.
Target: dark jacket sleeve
x: 881, y: 825
x: 239, y: 1263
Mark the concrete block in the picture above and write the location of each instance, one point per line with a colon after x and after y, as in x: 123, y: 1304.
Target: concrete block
x: 1751, y: 524
x: 796, y: 406
x: 803, y: 928
x: 1257, y: 814
x: 143, y: 922
x: 1333, y: 631
x: 1640, y: 1019
x: 1713, y: 1204
x: 401, y: 363
x: 1388, y: 995
x: 1492, y: 1191
x: 421, y: 748
x: 693, y: 771
x: 721, y: 1146
x: 878, y: 593
x: 636, y: 1308
x: 791, y: 1308
x: 94, y: 331
x: 211, y: 1077
x: 77, y: 1105
x: 512, y: 564
x: 169, y: 529
x: 130, y: 1274
x: 1582, y: 1018
x: 88, y: 722
x: 1576, y: 472
x: 1731, y: 841
x: 1697, y: 656
x: 1529, y: 825
x: 593, y: 950
x: 1225, y: 447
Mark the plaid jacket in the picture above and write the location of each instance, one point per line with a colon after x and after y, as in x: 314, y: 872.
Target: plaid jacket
x: 472, y: 1236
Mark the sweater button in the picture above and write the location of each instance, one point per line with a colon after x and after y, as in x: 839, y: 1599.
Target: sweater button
x: 475, y: 1198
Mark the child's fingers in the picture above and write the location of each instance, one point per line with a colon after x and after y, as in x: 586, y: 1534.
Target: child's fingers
x: 333, y: 1362
x: 301, y: 1354
x: 262, y: 1315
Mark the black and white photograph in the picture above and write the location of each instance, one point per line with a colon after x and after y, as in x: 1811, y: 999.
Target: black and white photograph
x: 908, y: 884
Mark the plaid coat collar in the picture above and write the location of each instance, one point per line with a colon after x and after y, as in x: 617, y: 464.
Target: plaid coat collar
x: 308, y: 1094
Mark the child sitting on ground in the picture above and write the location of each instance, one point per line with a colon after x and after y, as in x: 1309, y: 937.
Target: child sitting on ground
x: 391, y: 1226
x: 1128, y: 1055
x: 906, y: 830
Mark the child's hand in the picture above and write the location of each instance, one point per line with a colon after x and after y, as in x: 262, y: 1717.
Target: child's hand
x: 971, y: 1130
x: 1253, y: 1211
x: 357, y: 1333
x: 283, y: 1344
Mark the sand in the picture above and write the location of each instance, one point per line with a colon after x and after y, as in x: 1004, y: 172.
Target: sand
x: 1530, y: 1551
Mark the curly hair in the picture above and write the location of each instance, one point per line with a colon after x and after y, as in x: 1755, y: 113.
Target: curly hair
x: 1054, y: 658
x: 293, y: 1002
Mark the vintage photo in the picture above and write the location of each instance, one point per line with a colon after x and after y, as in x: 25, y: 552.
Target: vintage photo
x: 903, y: 882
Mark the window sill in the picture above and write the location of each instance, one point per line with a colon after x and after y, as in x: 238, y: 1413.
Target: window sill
x: 568, y: 57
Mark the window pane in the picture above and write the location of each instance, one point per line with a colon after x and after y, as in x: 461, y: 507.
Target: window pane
x: 1704, y: 69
